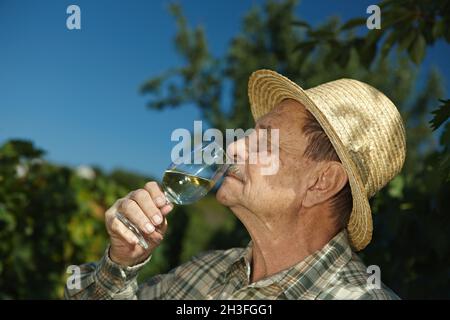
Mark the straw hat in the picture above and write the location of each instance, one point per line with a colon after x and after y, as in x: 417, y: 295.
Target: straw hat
x: 363, y: 125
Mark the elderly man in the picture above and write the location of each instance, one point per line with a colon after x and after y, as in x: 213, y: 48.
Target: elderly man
x: 339, y: 143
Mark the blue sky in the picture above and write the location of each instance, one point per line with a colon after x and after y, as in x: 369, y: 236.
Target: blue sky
x: 75, y: 93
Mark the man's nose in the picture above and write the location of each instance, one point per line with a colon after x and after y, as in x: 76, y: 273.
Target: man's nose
x: 238, y: 151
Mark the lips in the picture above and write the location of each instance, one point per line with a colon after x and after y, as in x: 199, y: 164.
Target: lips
x: 235, y: 173
x: 234, y: 177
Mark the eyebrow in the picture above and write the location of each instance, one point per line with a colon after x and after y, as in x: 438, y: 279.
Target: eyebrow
x: 264, y: 126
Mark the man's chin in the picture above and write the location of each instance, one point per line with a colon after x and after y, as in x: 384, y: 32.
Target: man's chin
x: 226, y: 194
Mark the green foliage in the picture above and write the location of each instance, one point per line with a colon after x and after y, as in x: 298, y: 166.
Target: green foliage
x: 411, y: 25
x: 441, y: 114
x: 34, y: 200
x: 50, y: 218
x: 441, y: 159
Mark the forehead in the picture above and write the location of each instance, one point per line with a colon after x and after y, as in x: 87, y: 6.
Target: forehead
x: 288, y: 114
x: 288, y: 117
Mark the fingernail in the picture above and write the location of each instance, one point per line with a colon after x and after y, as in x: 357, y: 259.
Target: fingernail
x: 157, y: 219
x: 149, y: 227
x: 166, y: 209
x: 160, y: 201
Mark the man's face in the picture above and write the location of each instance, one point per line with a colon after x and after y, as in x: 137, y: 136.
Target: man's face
x: 264, y: 194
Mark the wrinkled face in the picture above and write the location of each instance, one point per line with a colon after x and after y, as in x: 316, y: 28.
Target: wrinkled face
x: 264, y: 194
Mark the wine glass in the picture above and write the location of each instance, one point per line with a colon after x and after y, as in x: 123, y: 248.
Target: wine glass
x: 186, y: 181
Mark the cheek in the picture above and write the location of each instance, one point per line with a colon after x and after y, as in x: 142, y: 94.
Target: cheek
x: 261, y: 189
x: 286, y: 187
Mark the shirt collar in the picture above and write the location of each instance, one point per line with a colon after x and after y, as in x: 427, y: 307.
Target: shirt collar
x: 243, y: 260
x: 308, y: 277
x: 313, y: 274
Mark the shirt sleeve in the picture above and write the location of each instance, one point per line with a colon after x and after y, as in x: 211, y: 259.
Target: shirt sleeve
x: 108, y: 280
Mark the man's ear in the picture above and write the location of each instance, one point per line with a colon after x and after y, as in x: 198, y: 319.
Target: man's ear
x: 329, y: 180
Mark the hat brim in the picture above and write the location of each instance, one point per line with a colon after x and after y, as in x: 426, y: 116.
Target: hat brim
x: 266, y: 89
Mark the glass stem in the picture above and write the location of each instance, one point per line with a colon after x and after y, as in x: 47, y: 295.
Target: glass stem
x: 141, y: 240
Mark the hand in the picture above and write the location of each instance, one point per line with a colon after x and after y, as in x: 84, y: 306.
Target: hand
x: 147, y: 209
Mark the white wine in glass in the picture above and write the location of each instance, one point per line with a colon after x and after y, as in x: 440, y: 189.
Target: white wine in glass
x: 186, y: 183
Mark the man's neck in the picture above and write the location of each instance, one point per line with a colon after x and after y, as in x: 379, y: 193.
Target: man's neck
x: 284, y: 242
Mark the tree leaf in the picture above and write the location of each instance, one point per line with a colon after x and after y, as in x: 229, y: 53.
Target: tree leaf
x: 388, y: 43
x: 353, y: 23
x: 405, y: 41
x: 441, y: 114
x: 301, y: 23
x: 445, y: 137
x: 322, y: 33
x: 438, y: 29
x: 417, y: 49
x: 306, y: 45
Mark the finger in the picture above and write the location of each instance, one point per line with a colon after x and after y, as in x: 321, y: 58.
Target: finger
x: 144, y: 200
x: 155, y: 237
x: 131, y: 210
x: 166, y: 209
x: 122, y: 231
x: 155, y: 192
x: 162, y: 228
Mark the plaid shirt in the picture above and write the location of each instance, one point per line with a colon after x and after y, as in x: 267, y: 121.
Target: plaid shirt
x: 334, y: 272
